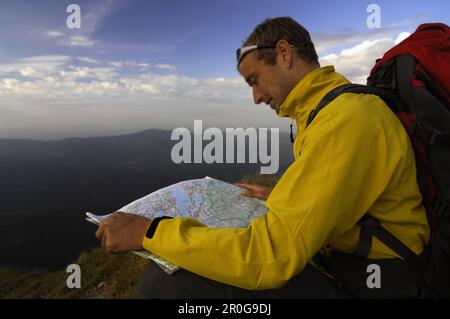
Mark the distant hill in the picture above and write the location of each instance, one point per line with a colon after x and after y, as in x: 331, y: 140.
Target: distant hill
x: 46, y: 186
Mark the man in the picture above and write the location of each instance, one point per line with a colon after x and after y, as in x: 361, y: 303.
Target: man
x: 354, y: 158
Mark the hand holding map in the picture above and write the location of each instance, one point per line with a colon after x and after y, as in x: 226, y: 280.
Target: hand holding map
x: 212, y: 202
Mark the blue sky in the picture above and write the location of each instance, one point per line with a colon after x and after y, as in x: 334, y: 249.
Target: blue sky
x: 138, y: 64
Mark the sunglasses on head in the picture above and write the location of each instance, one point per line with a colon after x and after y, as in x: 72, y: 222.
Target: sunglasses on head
x: 242, y: 51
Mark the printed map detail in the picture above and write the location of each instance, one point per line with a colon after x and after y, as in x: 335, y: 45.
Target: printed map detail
x: 212, y: 202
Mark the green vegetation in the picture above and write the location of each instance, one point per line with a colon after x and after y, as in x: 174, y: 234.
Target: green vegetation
x: 263, y: 180
x: 104, y: 275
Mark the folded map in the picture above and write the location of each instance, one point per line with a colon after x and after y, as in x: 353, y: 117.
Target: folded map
x: 213, y: 202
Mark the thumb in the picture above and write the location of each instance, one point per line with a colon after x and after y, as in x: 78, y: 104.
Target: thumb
x: 248, y: 193
x: 100, y: 231
x: 247, y: 186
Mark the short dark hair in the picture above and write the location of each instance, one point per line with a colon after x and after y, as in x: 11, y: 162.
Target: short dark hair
x: 272, y: 30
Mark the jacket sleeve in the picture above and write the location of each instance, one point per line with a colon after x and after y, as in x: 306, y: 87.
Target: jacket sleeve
x: 342, y: 169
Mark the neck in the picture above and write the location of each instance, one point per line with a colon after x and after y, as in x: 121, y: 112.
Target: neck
x: 301, y: 70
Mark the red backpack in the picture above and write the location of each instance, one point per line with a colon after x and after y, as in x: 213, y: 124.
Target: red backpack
x: 413, y: 78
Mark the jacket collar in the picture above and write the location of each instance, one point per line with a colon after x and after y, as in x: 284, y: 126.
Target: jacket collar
x: 309, y: 91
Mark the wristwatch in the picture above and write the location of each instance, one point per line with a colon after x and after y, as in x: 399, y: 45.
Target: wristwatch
x: 153, y: 224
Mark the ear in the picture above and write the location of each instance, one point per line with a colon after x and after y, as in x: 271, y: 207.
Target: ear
x: 284, y: 53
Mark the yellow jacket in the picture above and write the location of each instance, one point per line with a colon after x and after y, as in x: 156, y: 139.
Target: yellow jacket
x: 354, y: 158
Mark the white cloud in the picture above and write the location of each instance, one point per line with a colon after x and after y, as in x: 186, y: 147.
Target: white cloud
x: 329, y: 41
x: 54, y: 79
x: 356, y: 62
x: 117, y: 64
x: 9, y: 83
x: 36, y: 66
x: 57, y: 59
x: 64, y: 99
x: 325, y: 43
x: 78, y: 41
x: 167, y: 67
x: 97, y: 99
x: 88, y: 60
x: 402, y: 36
x: 72, y: 73
x: 143, y: 65
x: 122, y: 64
x: 54, y: 34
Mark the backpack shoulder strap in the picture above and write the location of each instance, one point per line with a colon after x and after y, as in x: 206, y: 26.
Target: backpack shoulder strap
x: 330, y: 96
x: 387, y: 95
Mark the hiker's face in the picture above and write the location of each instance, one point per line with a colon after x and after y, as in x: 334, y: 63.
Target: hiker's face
x: 269, y: 82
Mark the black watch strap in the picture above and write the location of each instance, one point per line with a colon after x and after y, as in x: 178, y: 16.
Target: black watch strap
x: 152, y: 228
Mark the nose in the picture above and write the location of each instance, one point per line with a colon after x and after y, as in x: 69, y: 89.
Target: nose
x: 257, y: 96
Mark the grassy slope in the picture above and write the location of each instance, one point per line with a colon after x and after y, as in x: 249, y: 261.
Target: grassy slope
x: 103, y: 275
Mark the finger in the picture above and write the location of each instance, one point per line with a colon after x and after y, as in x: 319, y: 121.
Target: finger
x: 256, y: 194
x: 100, y: 231
x: 241, y: 184
x: 251, y: 186
x: 260, y: 196
x: 104, y: 241
x: 259, y: 193
x: 253, y: 195
x: 110, y: 246
x: 245, y: 186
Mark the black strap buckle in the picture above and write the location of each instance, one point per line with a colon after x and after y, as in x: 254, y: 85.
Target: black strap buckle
x: 427, y: 134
